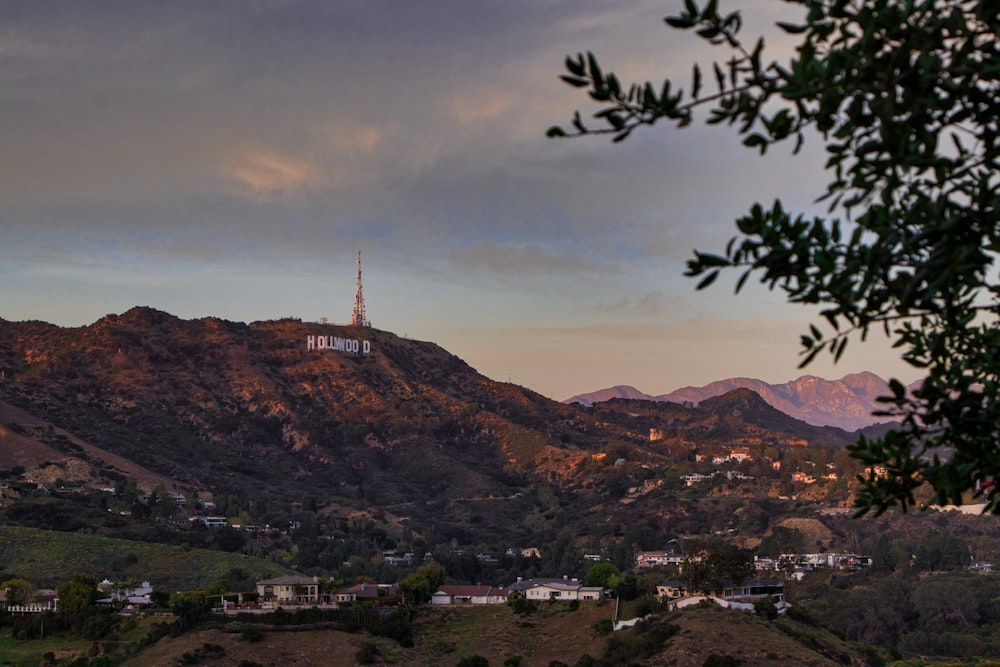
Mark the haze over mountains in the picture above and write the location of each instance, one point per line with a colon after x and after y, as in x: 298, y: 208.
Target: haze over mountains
x: 847, y: 403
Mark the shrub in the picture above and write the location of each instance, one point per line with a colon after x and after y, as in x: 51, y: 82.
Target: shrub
x: 604, y: 626
x: 716, y: 660
x: 251, y: 635
x: 765, y: 607
x: 473, y: 661
x: 367, y: 653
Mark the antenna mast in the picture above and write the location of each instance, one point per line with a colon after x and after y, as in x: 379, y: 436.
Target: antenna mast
x: 358, y: 317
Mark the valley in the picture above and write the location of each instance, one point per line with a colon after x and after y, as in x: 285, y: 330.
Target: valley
x: 205, y: 455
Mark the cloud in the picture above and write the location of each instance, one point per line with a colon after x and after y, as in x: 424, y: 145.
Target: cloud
x: 511, y: 259
x: 265, y: 175
x: 470, y: 108
x: 649, y: 304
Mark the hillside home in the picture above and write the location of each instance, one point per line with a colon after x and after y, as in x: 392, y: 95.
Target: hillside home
x: 43, y: 600
x: 213, y: 521
x: 694, y: 478
x: 740, y: 454
x: 469, y: 595
x: 659, y: 559
x: 117, y: 594
x: 363, y: 592
x: 829, y: 559
x: 564, y: 589
x: 754, y: 589
x: 748, y: 591
x: 289, y: 590
x: 670, y: 590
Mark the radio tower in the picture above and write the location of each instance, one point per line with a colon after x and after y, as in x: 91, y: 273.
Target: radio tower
x: 358, y: 317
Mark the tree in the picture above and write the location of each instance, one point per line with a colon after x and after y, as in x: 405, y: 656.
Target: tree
x: 419, y: 586
x: 903, y: 97
x: 190, y: 608
x: 18, y: 591
x: 76, y: 601
x: 603, y: 575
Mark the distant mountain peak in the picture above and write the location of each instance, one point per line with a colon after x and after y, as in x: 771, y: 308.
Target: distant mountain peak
x: 618, y: 391
x: 847, y: 403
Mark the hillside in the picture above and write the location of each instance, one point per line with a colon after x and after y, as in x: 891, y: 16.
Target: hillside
x: 408, y: 435
x: 45, y: 557
x: 445, y: 636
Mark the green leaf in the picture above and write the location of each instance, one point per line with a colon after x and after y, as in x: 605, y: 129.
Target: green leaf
x: 595, y: 70
x: 696, y: 83
x: 575, y: 67
x: 708, y: 279
x: 791, y: 28
x: 574, y: 81
x: 682, y: 22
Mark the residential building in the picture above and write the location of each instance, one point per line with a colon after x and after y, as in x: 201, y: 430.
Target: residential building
x: 289, y: 590
x: 450, y: 594
x: 659, y: 559
x: 564, y: 589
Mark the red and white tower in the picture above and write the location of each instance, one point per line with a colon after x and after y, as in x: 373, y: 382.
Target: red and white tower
x: 358, y: 317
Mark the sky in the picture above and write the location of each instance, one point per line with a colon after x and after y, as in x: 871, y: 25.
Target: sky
x: 229, y: 159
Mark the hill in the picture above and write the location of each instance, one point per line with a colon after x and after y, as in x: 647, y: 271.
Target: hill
x: 445, y: 636
x: 397, y: 432
x: 48, y: 558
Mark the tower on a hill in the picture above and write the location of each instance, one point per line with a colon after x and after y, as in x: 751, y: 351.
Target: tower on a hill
x: 358, y: 317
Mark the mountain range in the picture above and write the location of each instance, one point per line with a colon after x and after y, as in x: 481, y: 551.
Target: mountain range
x: 286, y: 413
x: 847, y: 403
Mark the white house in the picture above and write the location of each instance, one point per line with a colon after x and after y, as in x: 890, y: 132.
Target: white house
x: 469, y: 595
x: 557, y: 589
x: 659, y: 559
x: 289, y: 590
x: 363, y: 592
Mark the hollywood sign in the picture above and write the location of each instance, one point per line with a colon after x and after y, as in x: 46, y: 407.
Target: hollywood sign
x: 339, y: 344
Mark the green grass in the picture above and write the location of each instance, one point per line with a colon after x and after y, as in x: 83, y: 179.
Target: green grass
x: 49, y: 558
x: 17, y: 653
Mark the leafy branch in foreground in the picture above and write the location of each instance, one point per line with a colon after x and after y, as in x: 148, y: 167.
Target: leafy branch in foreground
x: 905, y: 96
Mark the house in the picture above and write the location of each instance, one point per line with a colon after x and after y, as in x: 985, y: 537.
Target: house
x: 214, y: 521
x: 740, y: 454
x: 469, y: 595
x: 365, y: 592
x: 289, y: 590
x: 694, y: 478
x: 117, y: 594
x: 670, y: 590
x: 754, y: 589
x: 564, y: 589
x: 748, y: 591
x: 659, y: 559
x: 43, y: 600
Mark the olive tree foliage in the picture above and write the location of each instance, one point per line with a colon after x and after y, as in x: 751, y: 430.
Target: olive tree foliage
x: 905, y: 97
